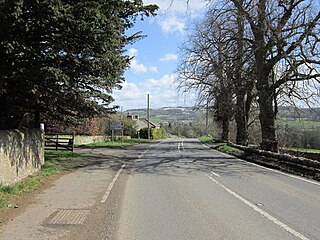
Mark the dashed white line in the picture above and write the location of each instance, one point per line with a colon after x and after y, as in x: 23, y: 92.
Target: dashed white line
x: 274, y: 170
x: 260, y: 211
x: 205, y: 146
x: 143, y: 154
x: 180, y: 145
x: 216, y: 174
x: 106, y: 195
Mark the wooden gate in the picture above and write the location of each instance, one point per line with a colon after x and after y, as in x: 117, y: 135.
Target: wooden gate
x: 59, y: 141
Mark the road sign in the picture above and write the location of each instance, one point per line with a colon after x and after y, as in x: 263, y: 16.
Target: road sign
x: 116, y: 126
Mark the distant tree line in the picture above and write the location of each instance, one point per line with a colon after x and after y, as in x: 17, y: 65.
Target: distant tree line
x: 246, y: 56
x: 61, y: 59
x: 94, y: 126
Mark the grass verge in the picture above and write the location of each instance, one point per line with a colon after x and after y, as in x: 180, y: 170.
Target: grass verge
x: 206, y: 139
x: 55, y: 162
x: 227, y: 149
x: 308, y: 150
x: 123, y: 143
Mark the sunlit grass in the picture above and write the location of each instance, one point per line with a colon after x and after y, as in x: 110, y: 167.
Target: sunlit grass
x: 123, y: 143
x: 227, y: 149
x: 306, y: 150
x: 55, y: 163
x: 205, y: 139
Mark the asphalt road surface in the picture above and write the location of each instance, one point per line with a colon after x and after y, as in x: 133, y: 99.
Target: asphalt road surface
x: 181, y: 189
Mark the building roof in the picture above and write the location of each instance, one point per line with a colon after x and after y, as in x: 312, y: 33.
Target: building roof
x: 143, y: 123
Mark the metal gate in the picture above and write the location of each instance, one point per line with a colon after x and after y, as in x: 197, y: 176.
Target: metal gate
x: 59, y: 141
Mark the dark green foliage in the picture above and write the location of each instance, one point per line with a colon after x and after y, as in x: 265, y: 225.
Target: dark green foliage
x: 158, y: 133
x: 62, y: 58
x: 155, y: 133
x: 144, y: 133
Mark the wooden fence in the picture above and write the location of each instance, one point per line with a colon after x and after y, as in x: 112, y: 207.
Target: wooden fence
x: 59, y: 141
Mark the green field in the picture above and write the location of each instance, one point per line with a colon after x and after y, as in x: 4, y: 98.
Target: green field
x: 304, y: 123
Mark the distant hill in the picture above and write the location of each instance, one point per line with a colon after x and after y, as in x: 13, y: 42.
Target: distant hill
x: 167, y: 115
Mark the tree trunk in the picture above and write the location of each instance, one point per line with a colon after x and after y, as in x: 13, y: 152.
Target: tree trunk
x: 267, y: 114
x: 239, y: 85
x: 225, y: 131
x: 265, y: 92
x: 241, y: 121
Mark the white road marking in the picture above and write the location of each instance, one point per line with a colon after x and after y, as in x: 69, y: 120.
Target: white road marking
x: 273, y: 170
x: 205, y: 146
x: 180, y: 145
x: 106, y: 195
x: 143, y: 153
x: 216, y: 174
x: 260, y: 211
x: 277, y: 171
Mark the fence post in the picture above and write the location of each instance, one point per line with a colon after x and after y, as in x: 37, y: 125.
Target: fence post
x: 57, y: 141
x: 73, y: 137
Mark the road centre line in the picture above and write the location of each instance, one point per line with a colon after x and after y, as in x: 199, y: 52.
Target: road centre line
x: 205, y: 146
x: 180, y: 145
x: 260, y: 211
x: 272, y: 170
x: 216, y: 174
x: 143, y: 153
x: 106, y: 195
x: 147, y: 150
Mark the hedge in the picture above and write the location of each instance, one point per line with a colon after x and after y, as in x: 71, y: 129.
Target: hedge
x: 156, y: 133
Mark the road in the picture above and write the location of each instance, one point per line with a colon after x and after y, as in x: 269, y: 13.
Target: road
x: 181, y: 189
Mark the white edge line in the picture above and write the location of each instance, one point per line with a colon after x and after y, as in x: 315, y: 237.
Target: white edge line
x: 106, y: 195
x: 260, y: 211
x: 216, y: 174
x: 273, y: 170
x: 205, y: 146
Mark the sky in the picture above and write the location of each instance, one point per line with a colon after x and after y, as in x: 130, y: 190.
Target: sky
x: 155, y: 57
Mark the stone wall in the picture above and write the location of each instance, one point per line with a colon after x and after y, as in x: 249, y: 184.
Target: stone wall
x: 21, y: 154
x: 83, y: 140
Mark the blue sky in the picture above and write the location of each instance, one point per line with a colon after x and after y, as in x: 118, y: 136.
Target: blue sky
x: 152, y: 69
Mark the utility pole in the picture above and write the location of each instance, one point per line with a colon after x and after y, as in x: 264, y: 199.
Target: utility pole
x: 148, y: 115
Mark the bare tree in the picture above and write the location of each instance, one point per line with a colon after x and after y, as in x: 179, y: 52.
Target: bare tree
x: 282, y: 32
x: 206, y: 68
x: 218, y: 64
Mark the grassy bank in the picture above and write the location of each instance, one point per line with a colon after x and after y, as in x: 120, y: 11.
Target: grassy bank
x: 123, y: 143
x: 205, y: 139
x: 307, y: 150
x: 231, y: 150
x: 55, y: 162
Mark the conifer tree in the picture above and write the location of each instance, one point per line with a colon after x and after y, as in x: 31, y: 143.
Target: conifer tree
x: 62, y: 58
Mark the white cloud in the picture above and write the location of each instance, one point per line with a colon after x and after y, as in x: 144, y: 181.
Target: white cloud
x: 136, y: 66
x: 172, y: 24
x: 180, y: 6
x: 166, y: 82
x: 130, y: 92
x: 153, y: 69
x: 173, y: 14
x: 163, y: 93
x: 169, y: 57
x: 132, y: 52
